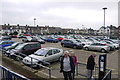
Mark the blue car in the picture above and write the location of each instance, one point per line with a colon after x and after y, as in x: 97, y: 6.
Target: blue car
x: 71, y: 43
x: 51, y: 40
x: 6, y: 43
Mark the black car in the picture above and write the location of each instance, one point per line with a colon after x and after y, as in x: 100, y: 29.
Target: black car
x: 71, y: 43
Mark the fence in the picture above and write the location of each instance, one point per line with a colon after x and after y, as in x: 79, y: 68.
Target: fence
x: 81, y: 66
x: 6, y: 74
x: 20, y: 56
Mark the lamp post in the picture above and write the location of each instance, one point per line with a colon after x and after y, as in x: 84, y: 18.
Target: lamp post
x: 104, y: 17
x: 34, y: 21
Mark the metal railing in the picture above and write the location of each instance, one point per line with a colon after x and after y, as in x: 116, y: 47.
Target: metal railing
x: 20, y: 56
x: 108, y: 75
x: 82, y: 66
x: 6, y: 74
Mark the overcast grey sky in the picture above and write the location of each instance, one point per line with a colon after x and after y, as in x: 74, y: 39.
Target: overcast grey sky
x: 60, y: 13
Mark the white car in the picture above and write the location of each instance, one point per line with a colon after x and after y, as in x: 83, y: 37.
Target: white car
x: 44, y: 54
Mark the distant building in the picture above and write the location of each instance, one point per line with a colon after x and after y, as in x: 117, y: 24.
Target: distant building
x: 91, y: 31
x: 102, y: 31
x: 107, y: 31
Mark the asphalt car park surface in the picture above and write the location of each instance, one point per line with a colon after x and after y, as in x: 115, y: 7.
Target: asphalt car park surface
x: 82, y: 55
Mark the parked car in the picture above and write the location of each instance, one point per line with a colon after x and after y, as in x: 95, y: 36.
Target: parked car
x: 60, y: 38
x: 50, y: 39
x: 84, y: 42
x: 97, y: 47
x: 6, y: 43
x: 27, y: 35
x: 117, y: 45
x: 25, y: 48
x: 5, y: 38
x: 13, y: 36
x: 48, y: 54
x: 112, y: 47
x: 71, y: 43
x: 38, y: 39
x: 12, y: 46
x: 29, y: 39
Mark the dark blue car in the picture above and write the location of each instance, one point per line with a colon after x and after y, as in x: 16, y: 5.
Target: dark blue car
x: 71, y: 43
x: 49, y: 39
x: 6, y: 43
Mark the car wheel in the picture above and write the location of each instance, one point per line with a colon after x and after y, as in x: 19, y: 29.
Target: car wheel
x: 74, y: 47
x: 63, y: 45
x: 86, y: 48
x: 18, y: 58
x: 103, y: 50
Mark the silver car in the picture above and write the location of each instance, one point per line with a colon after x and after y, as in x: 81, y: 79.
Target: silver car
x: 44, y: 54
x: 97, y: 47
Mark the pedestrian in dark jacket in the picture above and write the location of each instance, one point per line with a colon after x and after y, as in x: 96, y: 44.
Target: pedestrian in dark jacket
x: 90, y: 66
x: 67, y: 66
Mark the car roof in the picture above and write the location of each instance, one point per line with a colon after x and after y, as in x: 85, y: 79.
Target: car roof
x: 31, y: 43
x: 48, y: 48
x: 7, y: 41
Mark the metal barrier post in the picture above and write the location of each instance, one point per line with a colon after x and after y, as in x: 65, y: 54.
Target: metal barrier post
x: 110, y: 74
x: 49, y: 72
x: 77, y: 69
x: 31, y: 62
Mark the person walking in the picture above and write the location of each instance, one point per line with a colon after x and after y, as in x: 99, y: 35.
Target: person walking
x: 67, y: 66
x: 75, y: 62
x: 90, y: 66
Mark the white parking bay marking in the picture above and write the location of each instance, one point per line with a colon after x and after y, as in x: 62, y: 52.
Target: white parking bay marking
x: 114, y: 52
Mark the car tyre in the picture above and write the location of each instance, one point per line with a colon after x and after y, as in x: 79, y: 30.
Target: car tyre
x: 63, y: 45
x: 18, y: 58
x: 103, y: 50
x: 86, y: 48
x: 74, y: 47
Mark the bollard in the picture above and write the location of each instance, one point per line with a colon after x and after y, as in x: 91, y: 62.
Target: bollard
x: 77, y: 69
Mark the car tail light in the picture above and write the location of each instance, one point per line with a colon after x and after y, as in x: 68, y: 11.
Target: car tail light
x: 40, y: 46
x: 105, y: 44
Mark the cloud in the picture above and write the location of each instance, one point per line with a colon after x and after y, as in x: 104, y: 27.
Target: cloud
x: 59, y: 13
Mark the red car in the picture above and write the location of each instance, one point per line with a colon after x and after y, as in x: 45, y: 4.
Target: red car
x: 60, y: 38
x: 26, y: 35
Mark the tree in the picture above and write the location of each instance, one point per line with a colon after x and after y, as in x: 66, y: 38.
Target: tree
x: 11, y: 34
x: 15, y: 33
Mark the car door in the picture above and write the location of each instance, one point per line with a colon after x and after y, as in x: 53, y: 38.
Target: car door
x: 65, y: 42
x: 70, y: 43
x: 48, y: 56
x: 26, y: 49
x: 98, y: 46
x: 92, y: 46
x: 56, y: 54
x: 33, y: 48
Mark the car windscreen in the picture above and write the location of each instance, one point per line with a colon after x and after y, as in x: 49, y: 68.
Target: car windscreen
x: 41, y: 52
x: 75, y: 41
x: 14, y: 44
x: 19, y: 46
x: 28, y: 37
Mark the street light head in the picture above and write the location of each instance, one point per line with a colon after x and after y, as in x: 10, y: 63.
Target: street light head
x: 104, y: 8
x: 34, y: 18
